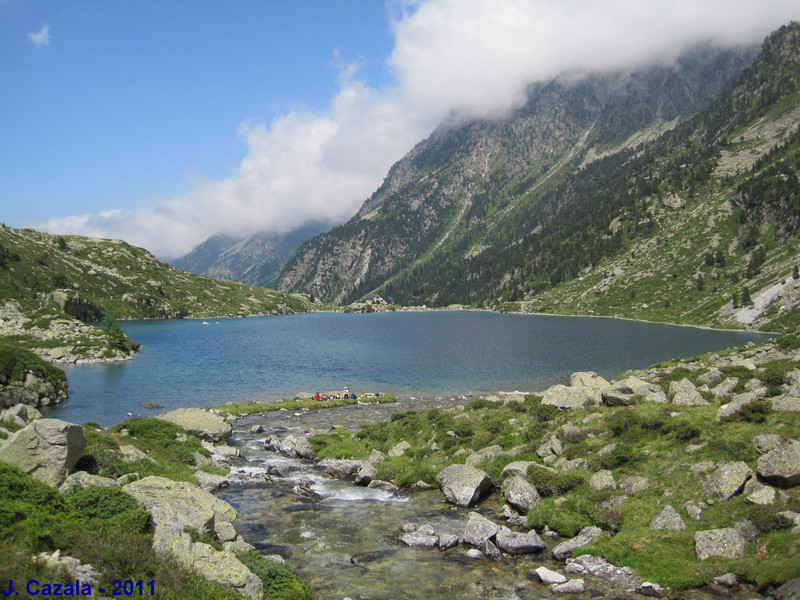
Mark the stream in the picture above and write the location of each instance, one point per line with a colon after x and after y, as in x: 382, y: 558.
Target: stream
x: 346, y: 544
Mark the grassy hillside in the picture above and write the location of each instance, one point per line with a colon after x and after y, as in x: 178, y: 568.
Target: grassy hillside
x: 51, y: 286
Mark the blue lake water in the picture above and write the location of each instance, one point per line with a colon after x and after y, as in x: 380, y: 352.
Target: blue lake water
x: 188, y: 363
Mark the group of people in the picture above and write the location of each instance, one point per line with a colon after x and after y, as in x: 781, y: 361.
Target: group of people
x: 336, y: 396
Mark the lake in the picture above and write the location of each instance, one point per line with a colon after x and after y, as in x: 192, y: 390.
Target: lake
x: 205, y: 363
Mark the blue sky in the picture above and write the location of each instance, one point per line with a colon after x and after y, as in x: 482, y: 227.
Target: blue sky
x: 165, y: 122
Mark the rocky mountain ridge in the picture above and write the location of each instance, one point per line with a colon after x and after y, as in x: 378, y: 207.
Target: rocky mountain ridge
x: 599, y: 197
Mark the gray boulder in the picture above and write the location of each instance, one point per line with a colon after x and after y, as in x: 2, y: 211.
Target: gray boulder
x: 341, y: 468
x: 668, y: 518
x: 519, y: 543
x: 725, y: 387
x: 366, y: 473
x: 521, y: 495
x: 20, y: 414
x: 766, y: 441
x: 728, y: 543
x: 562, y: 396
x: 176, y: 506
x: 483, y: 455
x: 727, y: 481
x: 201, y: 423
x: 602, y: 480
x: 47, y: 449
x: 479, y: 529
x: 549, y: 577
x: 684, y: 393
x: 781, y: 465
x: 785, y: 403
x: 585, y: 537
x: 551, y: 446
x: 573, y: 586
x: 399, y: 449
x: 82, y: 479
x: 634, y: 485
x: 463, y: 485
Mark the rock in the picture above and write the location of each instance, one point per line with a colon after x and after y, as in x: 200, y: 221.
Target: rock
x: 399, y: 449
x: 550, y: 447
x: 419, y: 540
x: 484, y: 455
x: 447, y: 541
x: 257, y: 429
x: 737, y: 403
x: 567, y: 465
x: 668, y: 518
x: 208, y: 482
x: 727, y: 481
x: 73, y: 567
x: 463, y: 485
x: 386, y: 486
x: 200, y: 423
x: 340, y: 468
x: 366, y: 473
x: 474, y: 553
x: 490, y: 550
x: 602, y: 480
x: 562, y: 396
x: 479, y: 529
x: 789, y: 590
x: 719, y: 542
x: 82, y: 479
x: 713, y: 375
x: 785, y: 404
x: 239, y: 545
x: 176, y: 506
x: 519, y: 543
x: 766, y: 442
x: 548, y: 577
x: 132, y: 454
x: 747, y: 529
x: 763, y: 496
x: 725, y: 387
x: 585, y: 537
x: 781, y: 465
x: 47, y: 449
x: 588, y: 379
x: 520, y: 494
x: 622, y: 392
x: 20, y: 414
x: 520, y: 468
x: 634, y: 485
x: 728, y: 580
x: 573, y: 586
x: 684, y: 393
x: 694, y: 511
x: 618, y: 577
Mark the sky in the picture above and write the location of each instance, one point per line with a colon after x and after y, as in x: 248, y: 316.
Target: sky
x: 166, y: 122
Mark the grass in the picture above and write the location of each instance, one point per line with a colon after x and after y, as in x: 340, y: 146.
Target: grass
x: 253, y: 408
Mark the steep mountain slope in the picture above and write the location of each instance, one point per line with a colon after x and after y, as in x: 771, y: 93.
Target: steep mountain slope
x: 255, y: 260
x: 472, y: 186
x: 51, y: 286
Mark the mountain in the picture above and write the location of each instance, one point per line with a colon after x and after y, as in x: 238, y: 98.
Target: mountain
x: 602, y: 195
x: 54, y: 286
x: 255, y: 260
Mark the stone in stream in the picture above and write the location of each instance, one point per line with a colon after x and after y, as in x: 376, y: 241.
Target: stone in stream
x: 463, y: 485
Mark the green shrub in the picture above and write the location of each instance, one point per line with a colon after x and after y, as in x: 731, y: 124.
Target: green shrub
x: 682, y: 430
x: 621, y: 455
x: 548, y: 483
x: 280, y: 583
x: 542, y: 413
x: 624, y: 422
x: 566, y: 518
x: 110, y: 503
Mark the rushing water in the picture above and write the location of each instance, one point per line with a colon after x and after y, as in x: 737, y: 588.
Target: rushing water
x: 346, y: 545
x: 190, y: 363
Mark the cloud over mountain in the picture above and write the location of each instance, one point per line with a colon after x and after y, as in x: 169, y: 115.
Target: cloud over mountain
x: 467, y: 56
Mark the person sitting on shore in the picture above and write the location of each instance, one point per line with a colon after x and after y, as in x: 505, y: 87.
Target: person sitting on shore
x: 317, y: 397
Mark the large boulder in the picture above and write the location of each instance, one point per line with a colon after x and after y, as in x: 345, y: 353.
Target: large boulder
x: 463, y: 485
x: 781, y: 465
x: 684, y: 393
x: 562, y: 396
x: 521, y: 494
x: 719, y: 542
x: 585, y: 537
x: 518, y: 543
x: 479, y: 530
x: 602, y: 480
x: 727, y: 481
x: 178, y: 506
x: 622, y: 392
x: 201, y: 423
x: 20, y: 414
x: 47, y: 449
x: 737, y: 403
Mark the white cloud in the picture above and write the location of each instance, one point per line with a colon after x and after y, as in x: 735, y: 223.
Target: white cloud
x: 472, y: 56
x: 41, y: 37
